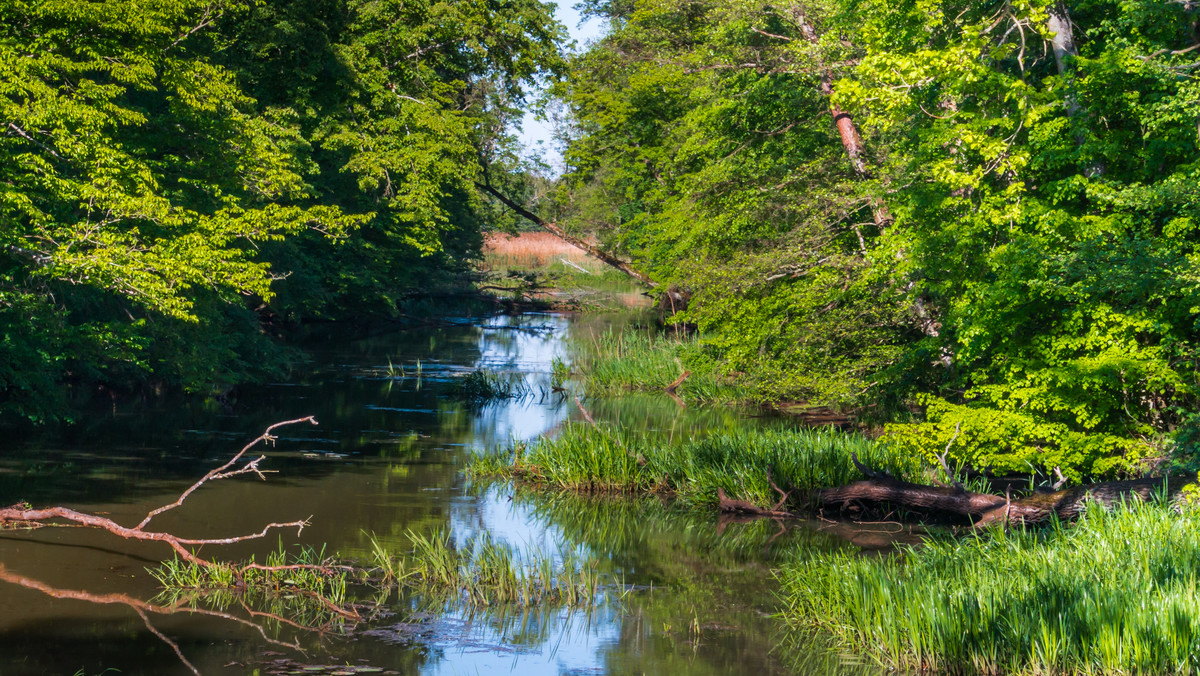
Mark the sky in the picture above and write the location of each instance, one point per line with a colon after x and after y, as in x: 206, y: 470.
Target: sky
x: 533, y: 130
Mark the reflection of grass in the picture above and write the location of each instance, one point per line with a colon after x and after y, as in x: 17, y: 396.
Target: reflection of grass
x: 305, y: 596
x: 1115, y: 593
x: 589, y: 458
x: 710, y: 585
x: 614, y: 362
x: 486, y: 573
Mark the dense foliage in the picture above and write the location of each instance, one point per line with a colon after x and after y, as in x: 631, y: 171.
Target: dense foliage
x: 999, y: 233
x: 174, y: 172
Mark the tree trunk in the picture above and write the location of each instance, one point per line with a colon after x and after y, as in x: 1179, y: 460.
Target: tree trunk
x: 847, y: 130
x: 984, y: 509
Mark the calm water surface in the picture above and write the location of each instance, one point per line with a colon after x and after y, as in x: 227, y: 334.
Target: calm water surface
x: 387, y: 458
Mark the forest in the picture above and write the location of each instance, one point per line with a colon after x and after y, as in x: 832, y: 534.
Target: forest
x: 971, y: 216
x: 965, y: 233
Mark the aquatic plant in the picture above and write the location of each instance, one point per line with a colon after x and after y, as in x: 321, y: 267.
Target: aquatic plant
x: 1117, y: 592
x: 480, y: 386
x: 742, y: 463
x: 621, y: 361
x: 305, y: 569
x: 483, y: 572
x: 560, y: 371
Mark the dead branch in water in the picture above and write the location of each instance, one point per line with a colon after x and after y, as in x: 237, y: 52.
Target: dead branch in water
x: 20, y: 514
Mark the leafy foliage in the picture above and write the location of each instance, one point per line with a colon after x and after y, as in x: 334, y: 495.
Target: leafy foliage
x: 164, y: 166
x: 1011, y: 249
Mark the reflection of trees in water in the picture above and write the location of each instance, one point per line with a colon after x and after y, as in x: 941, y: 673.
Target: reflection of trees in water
x: 256, y: 620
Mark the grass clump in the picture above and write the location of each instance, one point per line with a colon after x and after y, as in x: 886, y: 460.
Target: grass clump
x: 308, y: 570
x: 590, y: 458
x: 613, y: 362
x: 1118, y: 592
x: 481, y: 386
x: 486, y: 573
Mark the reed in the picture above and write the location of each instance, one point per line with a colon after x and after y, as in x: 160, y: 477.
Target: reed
x: 484, y: 572
x: 741, y: 462
x: 481, y: 386
x: 1116, y: 592
x: 621, y: 361
x: 534, y: 251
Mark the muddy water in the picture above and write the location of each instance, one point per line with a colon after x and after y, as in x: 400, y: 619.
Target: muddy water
x: 386, y: 458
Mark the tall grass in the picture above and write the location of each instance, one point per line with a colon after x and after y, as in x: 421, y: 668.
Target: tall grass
x: 1116, y: 592
x: 589, y: 458
x: 484, y: 572
x: 619, y: 361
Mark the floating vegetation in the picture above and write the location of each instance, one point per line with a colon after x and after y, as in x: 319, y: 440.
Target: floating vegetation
x: 1117, y: 592
x: 481, y: 386
x: 484, y: 572
x: 743, y: 463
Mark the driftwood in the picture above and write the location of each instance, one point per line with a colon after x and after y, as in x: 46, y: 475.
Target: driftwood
x: 678, y: 381
x: 983, y: 509
x: 25, y: 516
x: 730, y: 506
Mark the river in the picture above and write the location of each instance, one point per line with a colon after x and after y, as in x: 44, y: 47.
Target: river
x: 688, y: 594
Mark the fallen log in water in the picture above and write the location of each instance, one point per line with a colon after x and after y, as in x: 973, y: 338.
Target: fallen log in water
x: 984, y: 509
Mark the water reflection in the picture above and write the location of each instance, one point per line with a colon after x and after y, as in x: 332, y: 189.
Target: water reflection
x: 387, y: 459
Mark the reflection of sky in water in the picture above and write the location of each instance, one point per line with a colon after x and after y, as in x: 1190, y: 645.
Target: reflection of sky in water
x: 507, y: 348
x: 559, y: 640
x: 566, y: 642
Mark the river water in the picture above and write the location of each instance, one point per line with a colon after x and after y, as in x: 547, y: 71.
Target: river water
x: 689, y: 594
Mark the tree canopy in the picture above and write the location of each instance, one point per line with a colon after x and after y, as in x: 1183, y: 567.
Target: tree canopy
x: 169, y: 168
x: 985, y: 211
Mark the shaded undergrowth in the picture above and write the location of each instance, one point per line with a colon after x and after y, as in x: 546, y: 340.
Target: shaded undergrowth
x: 742, y: 463
x: 1116, y: 592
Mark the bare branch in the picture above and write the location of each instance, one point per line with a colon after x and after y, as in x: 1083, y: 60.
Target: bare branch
x: 216, y: 473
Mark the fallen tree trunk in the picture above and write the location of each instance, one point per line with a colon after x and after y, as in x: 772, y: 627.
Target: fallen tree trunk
x: 984, y: 509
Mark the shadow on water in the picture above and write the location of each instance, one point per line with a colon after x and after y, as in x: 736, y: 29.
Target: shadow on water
x: 688, y: 593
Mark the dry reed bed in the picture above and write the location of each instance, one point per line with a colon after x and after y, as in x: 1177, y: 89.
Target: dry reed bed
x: 534, y: 249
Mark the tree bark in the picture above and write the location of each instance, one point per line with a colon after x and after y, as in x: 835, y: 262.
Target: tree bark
x: 554, y: 229
x: 984, y: 509
x: 847, y: 129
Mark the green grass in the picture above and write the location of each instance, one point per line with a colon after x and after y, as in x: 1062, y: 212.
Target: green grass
x: 588, y: 458
x: 1117, y: 592
x: 620, y: 361
x: 486, y: 573
x: 329, y: 584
